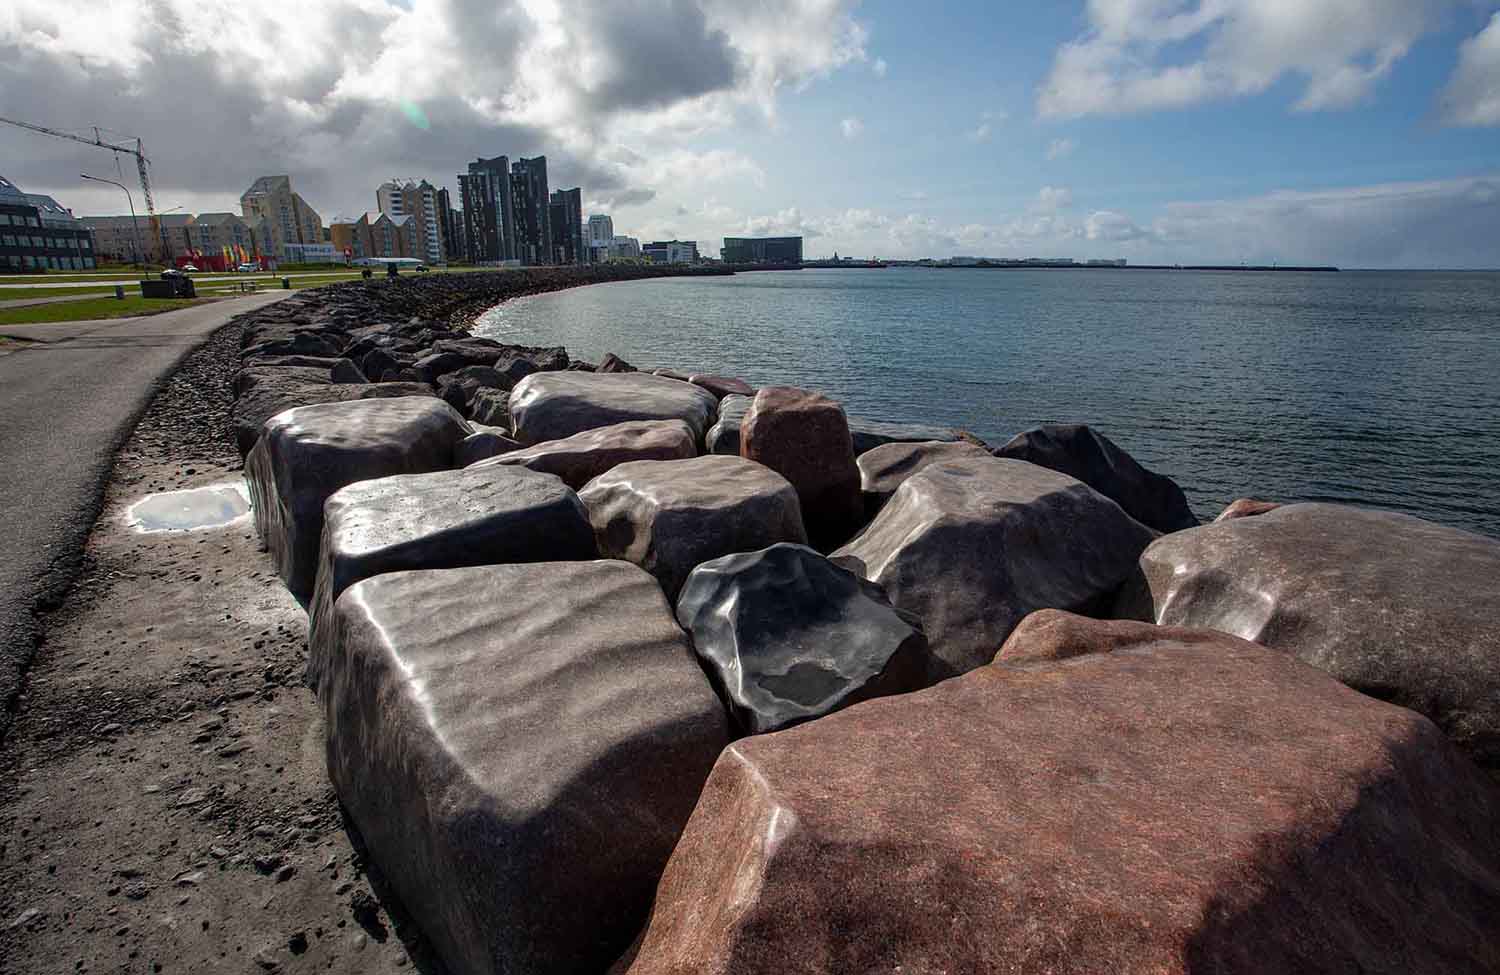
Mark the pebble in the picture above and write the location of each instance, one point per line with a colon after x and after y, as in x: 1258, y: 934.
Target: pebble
x: 24, y: 918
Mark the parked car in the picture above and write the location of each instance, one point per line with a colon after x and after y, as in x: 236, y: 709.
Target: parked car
x: 420, y: 267
x: 173, y: 272
x: 190, y: 267
x: 247, y: 267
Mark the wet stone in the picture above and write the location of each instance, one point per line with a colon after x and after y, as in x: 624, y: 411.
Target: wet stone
x: 1172, y: 804
x: 724, y: 436
x: 558, y: 714
x: 1078, y: 451
x: 787, y: 636
x: 584, y: 456
x: 971, y: 545
x: 307, y: 453
x: 443, y: 520
x: 1400, y: 608
x: 670, y: 516
x: 554, y: 405
x: 885, y: 468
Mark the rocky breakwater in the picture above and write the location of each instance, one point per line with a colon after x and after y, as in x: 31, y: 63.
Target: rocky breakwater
x: 600, y: 697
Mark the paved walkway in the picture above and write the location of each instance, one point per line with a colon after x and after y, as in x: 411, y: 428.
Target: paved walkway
x: 68, y: 398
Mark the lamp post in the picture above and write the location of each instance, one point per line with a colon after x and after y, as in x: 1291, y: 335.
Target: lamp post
x: 166, y: 250
x: 134, y: 224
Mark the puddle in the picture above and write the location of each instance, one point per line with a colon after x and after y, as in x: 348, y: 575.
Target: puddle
x: 207, y: 507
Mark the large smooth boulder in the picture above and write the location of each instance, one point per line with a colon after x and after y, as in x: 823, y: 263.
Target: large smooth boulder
x: 804, y: 437
x: 670, y: 516
x: 885, y: 468
x: 1394, y: 606
x: 722, y: 386
x: 724, y: 436
x: 787, y: 636
x: 307, y: 453
x: 482, y: 444
x: 1179, y: 805
x: 584, y: 456
x: 971, y: 545
x: 269, y: 395
x: 554, y: 405
x: 1078, y: 451
x: 519, y: 747
x: 867, y: 434
x: 442, y: 520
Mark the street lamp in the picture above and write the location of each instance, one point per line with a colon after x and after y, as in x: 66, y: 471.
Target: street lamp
x: 161, y: 226
x: 135, y: 226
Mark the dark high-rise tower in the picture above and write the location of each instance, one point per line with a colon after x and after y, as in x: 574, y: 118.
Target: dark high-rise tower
x: 529, y: 202
x: 567, y: 227
x: 489, y: 219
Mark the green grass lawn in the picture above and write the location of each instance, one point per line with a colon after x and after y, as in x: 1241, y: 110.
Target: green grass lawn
x: 90, y: 308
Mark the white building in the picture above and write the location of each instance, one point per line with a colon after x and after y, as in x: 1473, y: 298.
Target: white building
x: 419, y: 202
x: 624, y: 249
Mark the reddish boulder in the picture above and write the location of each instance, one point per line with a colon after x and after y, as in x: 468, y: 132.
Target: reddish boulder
x: 804, y: 437
x: 1186, y: 804
x: 584, y: 456
x: 722, y: 386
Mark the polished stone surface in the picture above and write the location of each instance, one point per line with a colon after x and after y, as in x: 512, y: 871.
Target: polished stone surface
x: 867, y: 434
x: 787, y: 636
x: 553, y: 405
x: 1078, y: 451
x: 1175, y: 806
x: 804, y: 437
x: 724, y: 436
x: 673, y: 515
x: 1399, y: 608
x: 971, y: 545
x: 584, y: 456
x: 519, y: 747
x: 885, y: 468
x: 307, y: 453
x: 442, y: 520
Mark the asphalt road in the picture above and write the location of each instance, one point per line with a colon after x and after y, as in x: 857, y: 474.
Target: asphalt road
x: 68, y: 400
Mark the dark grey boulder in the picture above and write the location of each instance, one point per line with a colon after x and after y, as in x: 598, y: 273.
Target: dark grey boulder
x: 441, y: 520
x: 670, y: 516
x: 345, y: 371
x: 584, y: 456
x: 490, y: 406
x: 430, y: 367
x: 268, y: 394
x: 289, y: 361
x: 252, y: 377
x: 296, y: 343
x: 377, y: 362
x: 883, y: 469
x: 554, y: 405
x: 307, y: 453
x: 971, y: 545
x: 613, y: 363
x: 869, y: 434
x: 724, y: 436
x: 520, y: 747
x: 1078, y: 451
x: 483, y: 444
x: 1393, y: 606
x: 788, y: 636
x: 457, y: 388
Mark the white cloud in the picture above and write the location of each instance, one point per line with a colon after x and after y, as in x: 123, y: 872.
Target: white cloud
x: 1131, y: 58
x: 1051, y: 199
x: 851, y: 127
x: 1061, y: 148
x: 986, y: 126
x: 879, y: 67
x: 1473, y: 94
x: 331, y: 100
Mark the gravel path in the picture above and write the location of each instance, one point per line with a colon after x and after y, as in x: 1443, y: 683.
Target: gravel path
x: 164, y: 805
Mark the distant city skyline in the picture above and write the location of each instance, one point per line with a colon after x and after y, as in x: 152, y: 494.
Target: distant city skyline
x: 1364, y: 133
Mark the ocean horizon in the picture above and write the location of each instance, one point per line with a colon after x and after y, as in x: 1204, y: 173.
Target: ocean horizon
x: 1374, y: 388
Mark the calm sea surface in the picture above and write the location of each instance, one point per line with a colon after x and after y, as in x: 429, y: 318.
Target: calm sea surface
x: 1377, y: 388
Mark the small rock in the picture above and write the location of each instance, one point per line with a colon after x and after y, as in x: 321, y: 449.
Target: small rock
x: 267, y: 862
x: 24, y: 918
x: 137, y: 890
x: 297, y: 943
x: 266, y: 959
x: 285, y: 873
x: 192, y: 879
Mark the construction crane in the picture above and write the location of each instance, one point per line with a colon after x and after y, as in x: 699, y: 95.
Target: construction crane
x: 141, y: 162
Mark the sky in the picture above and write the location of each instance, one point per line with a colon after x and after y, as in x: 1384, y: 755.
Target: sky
x: 1361, y: 133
